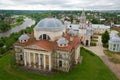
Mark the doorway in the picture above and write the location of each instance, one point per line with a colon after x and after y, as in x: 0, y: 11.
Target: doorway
x: 87, y: 42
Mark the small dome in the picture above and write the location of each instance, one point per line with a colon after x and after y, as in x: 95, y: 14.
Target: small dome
x: 115, y: 39
x: 49, y: 24
x: 62, y: 41
x: 24, y: 37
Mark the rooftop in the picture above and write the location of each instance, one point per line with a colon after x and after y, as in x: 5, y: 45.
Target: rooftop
x: 100, y: 26
x: 49, y: 24
x: 51, y: 45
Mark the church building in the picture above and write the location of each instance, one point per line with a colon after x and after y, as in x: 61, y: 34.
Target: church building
x: 50, y: 47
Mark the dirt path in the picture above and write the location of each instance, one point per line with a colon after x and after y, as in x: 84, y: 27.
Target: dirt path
x: 98, y: 50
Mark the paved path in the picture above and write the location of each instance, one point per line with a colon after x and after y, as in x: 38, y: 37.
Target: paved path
x: 98, y: 50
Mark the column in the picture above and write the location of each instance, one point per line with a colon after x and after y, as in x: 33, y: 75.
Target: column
x: 25, y: 59
x: 29, y: 59
x: 42, y: 36
x: 34, y: 60
x: 111, y: 46
x: 50, y: 62
x: 44, y: 61
x: 39, y: 62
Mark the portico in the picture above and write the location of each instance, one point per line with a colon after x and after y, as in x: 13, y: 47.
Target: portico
x: 37, y: 60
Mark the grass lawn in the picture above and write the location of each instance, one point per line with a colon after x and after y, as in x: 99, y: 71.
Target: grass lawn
x: 112, y: 57
x: 92, y: 68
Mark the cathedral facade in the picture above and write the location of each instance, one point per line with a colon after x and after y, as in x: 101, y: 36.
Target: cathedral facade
x: 50, y: 47
x: 53, y: 46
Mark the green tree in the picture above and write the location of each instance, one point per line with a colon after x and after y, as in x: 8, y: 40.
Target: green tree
x: 71, y: 18
x: 105, y: 38
x: 4, y: 26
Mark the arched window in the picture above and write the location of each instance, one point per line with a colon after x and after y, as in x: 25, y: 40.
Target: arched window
x: 60, y: 56
x: 21, y: 57
x: 44, y: 37
x: 87, y: 42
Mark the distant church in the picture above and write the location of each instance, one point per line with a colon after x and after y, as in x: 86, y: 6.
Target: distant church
x: 52, y: 46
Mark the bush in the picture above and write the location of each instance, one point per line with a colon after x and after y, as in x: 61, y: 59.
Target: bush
x: 108, y: 53
x: 115, y: 60
x: 92, y: 44
x: 105, y: 45
x: 96, y: 37
x: 94, y: 40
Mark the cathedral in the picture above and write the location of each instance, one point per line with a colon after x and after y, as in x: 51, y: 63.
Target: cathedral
x: 53, y: 46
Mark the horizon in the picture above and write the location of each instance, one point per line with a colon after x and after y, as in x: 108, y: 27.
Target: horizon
x: 56, y: 10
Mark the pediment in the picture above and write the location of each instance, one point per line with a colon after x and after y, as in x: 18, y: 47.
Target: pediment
x: 35, y: 47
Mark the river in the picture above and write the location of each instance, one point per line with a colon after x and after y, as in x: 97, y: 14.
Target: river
x: 27, y: 23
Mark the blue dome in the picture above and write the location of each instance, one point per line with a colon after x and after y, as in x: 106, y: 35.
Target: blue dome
x: 62, y: 41
x: 115, y: 39
x: 49, y: 24
x: 24, y: 37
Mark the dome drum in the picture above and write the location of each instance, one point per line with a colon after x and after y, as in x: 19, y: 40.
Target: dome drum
x: 49, y: 26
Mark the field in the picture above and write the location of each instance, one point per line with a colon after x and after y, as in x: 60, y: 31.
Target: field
x: 92, y: 68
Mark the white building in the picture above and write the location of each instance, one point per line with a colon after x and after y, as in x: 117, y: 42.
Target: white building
x: 114, y: 42
x: 84, y: 29
x: 100, y: 28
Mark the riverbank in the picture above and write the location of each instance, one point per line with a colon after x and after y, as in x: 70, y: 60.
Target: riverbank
x: 27, y: 23
x: 17, y: 23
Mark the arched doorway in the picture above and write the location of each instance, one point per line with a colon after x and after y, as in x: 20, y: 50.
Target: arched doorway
x: 87, y: 42
x: 44, y: 37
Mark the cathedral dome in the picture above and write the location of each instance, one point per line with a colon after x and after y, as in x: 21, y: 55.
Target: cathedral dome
x: 49, y: 24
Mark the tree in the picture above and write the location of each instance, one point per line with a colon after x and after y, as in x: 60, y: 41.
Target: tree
x: 4, y: 26
x: 71, y: 18
x: 105, y: 38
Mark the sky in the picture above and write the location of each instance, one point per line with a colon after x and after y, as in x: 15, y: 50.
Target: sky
x: 60, y: 4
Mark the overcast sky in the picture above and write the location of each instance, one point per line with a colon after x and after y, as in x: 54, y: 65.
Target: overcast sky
x: 60, y: 4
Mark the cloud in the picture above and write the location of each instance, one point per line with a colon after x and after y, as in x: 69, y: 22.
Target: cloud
x: 59, y: 4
